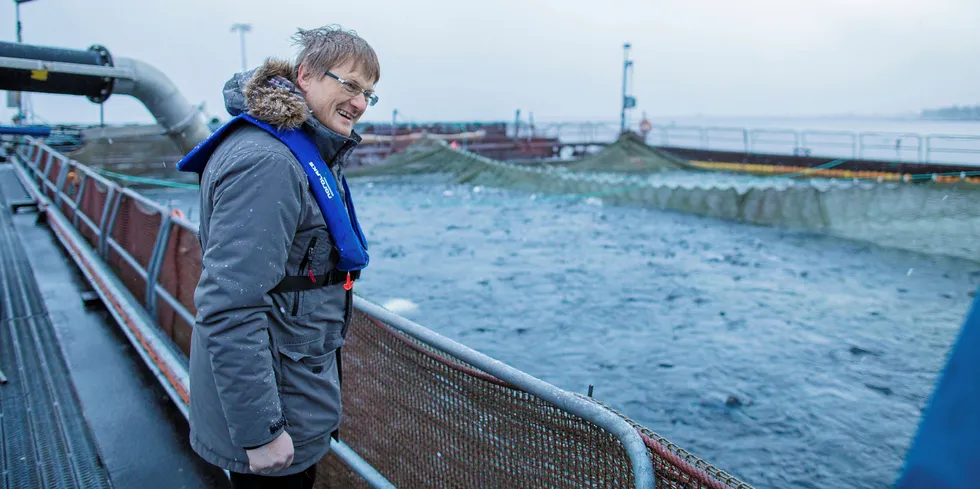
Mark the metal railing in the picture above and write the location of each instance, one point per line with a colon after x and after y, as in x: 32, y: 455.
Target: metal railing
x: 877, y: 145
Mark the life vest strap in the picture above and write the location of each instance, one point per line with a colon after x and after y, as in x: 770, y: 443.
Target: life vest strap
x: 296, y: 283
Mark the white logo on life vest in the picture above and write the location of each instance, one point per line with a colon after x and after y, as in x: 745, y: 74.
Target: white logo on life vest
x: 323, y: 181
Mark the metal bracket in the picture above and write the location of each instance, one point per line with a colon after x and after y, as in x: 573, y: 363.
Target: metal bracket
x: 78, y: 198
x: 110, y: 207
x: 62, y: 176
x: 156, y: 263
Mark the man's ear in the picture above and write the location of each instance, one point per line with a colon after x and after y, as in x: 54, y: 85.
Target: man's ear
x: 303, y: 78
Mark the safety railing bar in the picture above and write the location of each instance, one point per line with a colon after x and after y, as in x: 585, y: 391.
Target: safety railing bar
x: 70, y: 203
x: 174, y: 304
x: 108, y: 218
x: 829, y: 144
x: 144, y: 201
x: 954, y: 150
x: 763, y: 139
x: 24, y: 151
x: 359, y: 465
x: 948, y: 135
x: 697, y: 129
x: 156, y: 262
x: 126, y: 256
x: 60, y: 185
x: 724, y: 128
x: 889, y: 134
x: 47, y: 169
x: 827, y: 132
x: 88, y: 222
x: 48, y: 182
x: 643, y: 473
x: 82, y: 183
x: 184, y: 223
x: 891, y: 147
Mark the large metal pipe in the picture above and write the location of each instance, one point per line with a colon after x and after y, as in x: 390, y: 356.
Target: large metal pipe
x: 95, y: 74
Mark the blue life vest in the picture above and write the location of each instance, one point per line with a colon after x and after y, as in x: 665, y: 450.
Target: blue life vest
x: 342, y: 223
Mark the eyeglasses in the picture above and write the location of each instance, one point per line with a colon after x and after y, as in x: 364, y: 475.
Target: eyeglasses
x: 354, y: 90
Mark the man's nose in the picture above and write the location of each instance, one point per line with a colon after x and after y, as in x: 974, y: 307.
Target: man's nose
x: 359, y: 103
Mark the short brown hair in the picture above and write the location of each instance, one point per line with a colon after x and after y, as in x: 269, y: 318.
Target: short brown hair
x: 326, y: 47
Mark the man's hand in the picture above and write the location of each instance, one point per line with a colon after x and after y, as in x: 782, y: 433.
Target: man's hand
x: 273, y: 456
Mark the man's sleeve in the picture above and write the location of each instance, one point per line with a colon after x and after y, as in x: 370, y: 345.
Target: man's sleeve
x: 256, y: 209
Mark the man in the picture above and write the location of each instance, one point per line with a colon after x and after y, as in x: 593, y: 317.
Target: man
x: 280, y: 250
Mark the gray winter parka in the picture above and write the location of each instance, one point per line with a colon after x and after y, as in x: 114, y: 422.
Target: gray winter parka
x: 264, y: 362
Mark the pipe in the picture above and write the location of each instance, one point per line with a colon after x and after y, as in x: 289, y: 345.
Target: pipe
x: 180, y: 120
x: 95, y: 74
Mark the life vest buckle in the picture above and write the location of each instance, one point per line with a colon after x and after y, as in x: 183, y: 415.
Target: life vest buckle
x: 349, y: 284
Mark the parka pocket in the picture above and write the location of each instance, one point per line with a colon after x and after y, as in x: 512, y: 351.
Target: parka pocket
x: 305, y: 268
x: 321, y: 303
x: 310, y: 390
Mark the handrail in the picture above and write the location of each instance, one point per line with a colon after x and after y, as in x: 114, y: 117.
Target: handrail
x: 643, y: 473
x: 806, y: 140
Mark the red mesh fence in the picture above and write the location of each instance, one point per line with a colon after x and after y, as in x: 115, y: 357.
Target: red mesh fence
x: 179, y: 274
x: 419, y: 416
x: 50, y: 188
x: 135, y: 229
x: 425, y: 420
x: 41, y: 166
x: 94, y: 195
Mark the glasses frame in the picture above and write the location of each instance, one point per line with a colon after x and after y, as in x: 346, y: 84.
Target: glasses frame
x: 354, y: 90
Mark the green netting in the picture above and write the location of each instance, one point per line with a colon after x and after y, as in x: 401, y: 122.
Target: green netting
x: 924, y: 217
x: 629, y: 154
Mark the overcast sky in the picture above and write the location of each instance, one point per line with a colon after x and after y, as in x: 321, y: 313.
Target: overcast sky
x: 560, y: 59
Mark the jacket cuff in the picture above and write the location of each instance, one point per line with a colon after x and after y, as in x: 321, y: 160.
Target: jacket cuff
x: 275, y: 429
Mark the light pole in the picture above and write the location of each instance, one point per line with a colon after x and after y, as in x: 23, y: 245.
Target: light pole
x: 20, y: 95
x: 242, y: 29
x: 628, y: 101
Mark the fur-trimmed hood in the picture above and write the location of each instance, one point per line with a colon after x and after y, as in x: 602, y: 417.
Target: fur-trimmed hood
x: 270, y: 93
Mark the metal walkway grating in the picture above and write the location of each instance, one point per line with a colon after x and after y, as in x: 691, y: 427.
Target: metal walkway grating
x: 45, y: 440
x: 11, y: 191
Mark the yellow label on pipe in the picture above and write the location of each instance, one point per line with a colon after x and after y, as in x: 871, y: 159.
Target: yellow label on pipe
x: 40, y: 75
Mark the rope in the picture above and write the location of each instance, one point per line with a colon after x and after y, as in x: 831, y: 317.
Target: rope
x: 146, y: 180
x: 825, y: 166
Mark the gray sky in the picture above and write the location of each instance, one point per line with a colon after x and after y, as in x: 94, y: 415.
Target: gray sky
x: 560, y: 59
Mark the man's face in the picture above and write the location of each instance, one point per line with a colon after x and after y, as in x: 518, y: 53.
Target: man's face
x: 332, y: 102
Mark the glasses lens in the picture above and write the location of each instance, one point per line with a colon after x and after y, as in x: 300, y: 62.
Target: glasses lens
x: 351, y: 89
x: 371, y: 98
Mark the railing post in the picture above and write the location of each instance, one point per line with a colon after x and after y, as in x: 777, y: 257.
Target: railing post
x: 156, y: 262
x: 47, y: 170
x: 59, y: 185
x: 108, y: 220
x: 82, y: 181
